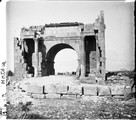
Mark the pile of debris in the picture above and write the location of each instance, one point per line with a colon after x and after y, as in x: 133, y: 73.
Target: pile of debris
x: 117, y: 79
x: 120, y: 77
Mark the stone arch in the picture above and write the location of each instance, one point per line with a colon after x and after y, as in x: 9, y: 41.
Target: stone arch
x: 50, y: 56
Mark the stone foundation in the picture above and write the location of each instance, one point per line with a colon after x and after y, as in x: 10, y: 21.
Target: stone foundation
x: 76, y: 91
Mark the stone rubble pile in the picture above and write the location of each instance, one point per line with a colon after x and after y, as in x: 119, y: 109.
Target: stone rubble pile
x: 119, y: 79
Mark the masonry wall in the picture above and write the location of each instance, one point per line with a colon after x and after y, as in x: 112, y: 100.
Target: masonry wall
x: 88, y: 41
x: 20, y: 67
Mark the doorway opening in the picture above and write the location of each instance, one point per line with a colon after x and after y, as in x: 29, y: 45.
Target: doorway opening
x: 90, y: 49
x: 28, y: 51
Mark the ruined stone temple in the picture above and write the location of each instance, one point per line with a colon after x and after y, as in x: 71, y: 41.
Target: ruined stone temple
x: 35, y: 50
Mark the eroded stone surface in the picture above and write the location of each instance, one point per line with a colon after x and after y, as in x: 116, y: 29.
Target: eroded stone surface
x: 50, y: 88
x: 104, y: 90
x: 117, y: 89
x: 35, y: 89
x: 61, y: 89
x: 90, y: 89
x: 75, y: 89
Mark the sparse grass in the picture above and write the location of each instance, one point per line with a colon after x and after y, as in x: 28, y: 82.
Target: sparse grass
x: 109, y: 108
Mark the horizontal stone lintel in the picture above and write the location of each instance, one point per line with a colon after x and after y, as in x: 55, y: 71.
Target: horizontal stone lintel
x: 53, y: 38
x: 27, y: 36
x: 88, y: 33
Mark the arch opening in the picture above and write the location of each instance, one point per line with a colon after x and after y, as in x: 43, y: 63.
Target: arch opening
x: 48, y: 67
x: 66, y: 62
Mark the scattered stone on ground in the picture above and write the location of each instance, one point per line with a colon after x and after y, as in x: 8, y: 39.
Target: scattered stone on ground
x: 67, y: 106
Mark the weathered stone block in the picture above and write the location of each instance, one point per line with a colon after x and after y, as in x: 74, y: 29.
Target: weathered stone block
x: 127, y: 90
x: 100, y: 80
x: 61, y: 89
x: 103, y: 90
x: 52, y: 95
x: 88, y: 28
x: 38, y: 96
x: 90, y: 89
x: 76, y: 89
x: 117, y: 90
x: 34, y: 89
x: 24, y: 86
x: 50, y: 88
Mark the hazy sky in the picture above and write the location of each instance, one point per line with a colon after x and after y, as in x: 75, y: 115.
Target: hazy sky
x: 119, y: 17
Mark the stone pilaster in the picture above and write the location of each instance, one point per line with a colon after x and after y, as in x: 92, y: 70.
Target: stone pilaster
x: 97, y: 53
x: 101, y: 37
x: 83, y: 56
x: 36, y: 57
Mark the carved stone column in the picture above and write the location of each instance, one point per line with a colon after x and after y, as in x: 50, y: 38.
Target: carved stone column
x: 82, y: 55
x: 102, y: 37
x: 97, y: 53
x: 78, y: 71
x: 36, y: 58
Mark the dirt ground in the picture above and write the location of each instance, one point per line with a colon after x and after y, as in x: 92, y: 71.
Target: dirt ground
x: 21, y: 106
x: 100, y: 108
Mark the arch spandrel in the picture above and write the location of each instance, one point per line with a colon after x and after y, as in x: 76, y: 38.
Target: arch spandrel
x: 73, y: 42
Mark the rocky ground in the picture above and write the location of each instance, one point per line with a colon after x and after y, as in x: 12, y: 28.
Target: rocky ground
x: 87, y: 108
x: 21, y: 106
